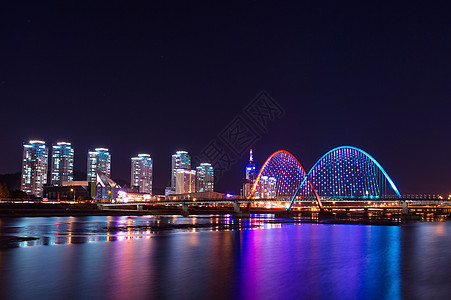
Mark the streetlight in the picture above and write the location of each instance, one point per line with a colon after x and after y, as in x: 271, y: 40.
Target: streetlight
x: 73, y: 191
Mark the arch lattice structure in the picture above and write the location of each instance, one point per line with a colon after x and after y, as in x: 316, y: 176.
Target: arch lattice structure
x: 347, y: 172
x: 279, y: 177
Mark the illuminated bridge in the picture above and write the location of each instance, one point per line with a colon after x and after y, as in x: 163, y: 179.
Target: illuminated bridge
x: 345, y: 174
x: 342, y: 173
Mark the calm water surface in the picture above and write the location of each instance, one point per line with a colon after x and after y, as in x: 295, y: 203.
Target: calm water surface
x: 222, y: 258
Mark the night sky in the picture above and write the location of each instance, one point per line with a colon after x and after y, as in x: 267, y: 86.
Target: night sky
x: 167, y: 76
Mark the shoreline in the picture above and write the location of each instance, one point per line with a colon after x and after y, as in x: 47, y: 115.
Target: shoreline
x: 66, y: 210
x: 17, y: 210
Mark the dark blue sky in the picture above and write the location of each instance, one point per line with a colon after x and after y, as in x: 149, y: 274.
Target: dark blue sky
x: 163, y: 76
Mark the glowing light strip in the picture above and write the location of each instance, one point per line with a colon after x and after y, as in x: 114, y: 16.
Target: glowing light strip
x: 263, y: 167
x: 393, y: 186
x: 299, y: 164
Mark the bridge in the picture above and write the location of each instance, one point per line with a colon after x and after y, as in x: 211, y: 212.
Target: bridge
x: 239, y: 207
x: 344, y: 174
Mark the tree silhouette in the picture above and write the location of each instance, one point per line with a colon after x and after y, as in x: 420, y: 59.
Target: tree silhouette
x: 4, y: 192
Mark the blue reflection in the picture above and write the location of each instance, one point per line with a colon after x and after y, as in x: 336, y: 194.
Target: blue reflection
x: 271, y: 261
x: 320, y: 262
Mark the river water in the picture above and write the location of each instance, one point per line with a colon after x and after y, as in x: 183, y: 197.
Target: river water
x: 214, y: 257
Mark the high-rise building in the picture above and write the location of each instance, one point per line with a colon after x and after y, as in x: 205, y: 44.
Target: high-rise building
x: 98, y: 161
x: 204, y: 178
x: 250, y: 175
x: 34, y: 167
x: 251, y: 172
x: 62, y: 164
x: 168, y: 191
x: 141, y: 176
x: 185, y: 181
x: 180, y: 160
x: 267, y: 187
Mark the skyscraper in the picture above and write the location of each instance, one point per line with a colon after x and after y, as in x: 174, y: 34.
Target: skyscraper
x: 98, y: 161
x: 180, y: 160
x: 185, y: 181
x: 62, y: 164
x: 142, y: 173
x: 204, y: 178
x: 34, y: 168
x: 250, y: 175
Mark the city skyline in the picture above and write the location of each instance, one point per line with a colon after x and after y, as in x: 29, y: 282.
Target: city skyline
x: 155, y: 79
x: 38, y: 172
x: 225, y: 150
x: 181, y: 160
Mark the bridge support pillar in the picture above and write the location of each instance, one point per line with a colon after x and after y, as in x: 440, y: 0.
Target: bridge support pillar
x: 185, y: 211
x: 405, y: 208
x: 237, y: 212
x: 407, y: 215
x: 139, y: 207
x: 236, y: 207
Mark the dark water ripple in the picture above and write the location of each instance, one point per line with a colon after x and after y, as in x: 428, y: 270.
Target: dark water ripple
x: 218, y: 257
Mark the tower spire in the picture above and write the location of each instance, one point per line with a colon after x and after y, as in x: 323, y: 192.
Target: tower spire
x: 251, y: 157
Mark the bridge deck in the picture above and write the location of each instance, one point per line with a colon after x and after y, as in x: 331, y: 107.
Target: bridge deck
x: 313, y: 201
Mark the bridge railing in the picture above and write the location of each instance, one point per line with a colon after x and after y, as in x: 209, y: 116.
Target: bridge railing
x: 302, y: 199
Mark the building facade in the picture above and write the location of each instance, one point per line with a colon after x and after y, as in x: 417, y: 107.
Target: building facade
x: 34, y: 167
x: 62, y: 168
x: 141, y: 174
x: 250, y: 175
x: 98, y: 161
x: 185, y: 181
x: 267, y: 188
x: 168, y: 191
x: 106, y: 188
x: 204, y: 178
x: 180, y: 160
x: 71, y: 190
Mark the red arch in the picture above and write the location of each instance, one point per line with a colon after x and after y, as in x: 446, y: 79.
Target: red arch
x: 264, y: 165
x: 320, y: 204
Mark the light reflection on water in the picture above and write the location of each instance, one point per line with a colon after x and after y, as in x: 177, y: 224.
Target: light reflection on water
x: 69, y: 230
x: 167, y: 258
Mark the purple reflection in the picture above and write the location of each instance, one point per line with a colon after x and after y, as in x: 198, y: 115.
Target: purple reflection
x: 309, y: 261
x: 319, y: 262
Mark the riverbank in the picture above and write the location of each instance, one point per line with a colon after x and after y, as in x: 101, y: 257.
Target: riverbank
x: 89, y: 209
x: 218, y: 218
x: 67, y: 209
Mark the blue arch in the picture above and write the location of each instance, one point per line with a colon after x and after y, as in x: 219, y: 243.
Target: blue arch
x: 392, y: 184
